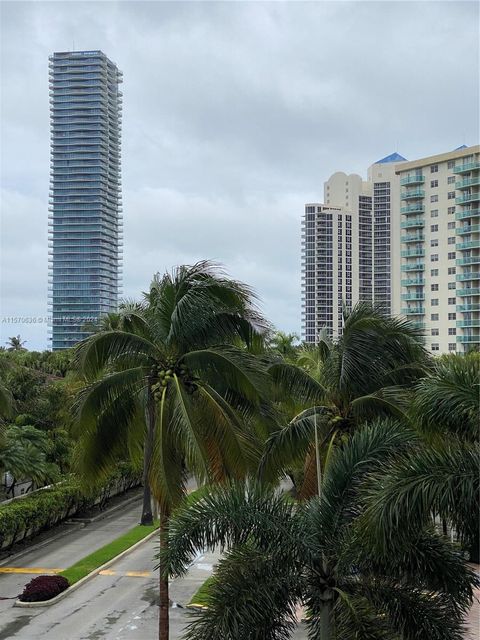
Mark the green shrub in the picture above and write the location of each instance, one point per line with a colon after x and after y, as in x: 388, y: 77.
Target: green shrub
x: 43, y: 509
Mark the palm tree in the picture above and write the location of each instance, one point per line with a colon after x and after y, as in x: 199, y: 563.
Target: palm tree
x: 23, y: 453
x: 16, y: 344
x: 440, y: 478
x: 281, y: 553
x: 179, y: 369
x: 338, y: 384
x: 284, y: 344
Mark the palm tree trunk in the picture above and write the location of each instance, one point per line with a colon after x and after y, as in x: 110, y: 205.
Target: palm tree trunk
x: 164, y: 623
x: 147, y: 517
x: 326, y: 620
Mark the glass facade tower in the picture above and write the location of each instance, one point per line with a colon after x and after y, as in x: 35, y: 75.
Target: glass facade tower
x: 85, y: 215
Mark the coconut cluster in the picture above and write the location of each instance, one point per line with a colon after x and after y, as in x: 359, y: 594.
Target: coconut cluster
x: 165, y: 373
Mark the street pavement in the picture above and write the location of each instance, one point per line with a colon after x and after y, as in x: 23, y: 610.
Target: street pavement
x: 119, y: 604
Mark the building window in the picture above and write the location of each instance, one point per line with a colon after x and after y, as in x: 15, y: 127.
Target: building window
x: 433, y: 183
x: 434, y: 287
x: 434, y: 243
x: 434, y: 302
x: 452, y: 346
x: 435, y: 332
x: 452, y: 331
x: 451, y: 240
x: 434, y: 198
x: 434, y: 213
x: 451, y: 195
x: 434, y: 316
x: 451, y: 210
x: 451, y: 180
x: 433, y: 227
x: 434, y: 168
x: 452, y: 271
x: 451, y: 255
x: 452, y: 300
x: 435, y: 346
x: 452, y: 285
x: 434, y: 257
x: 451, y: 164
x: 452, y: 316
x: 451, y: 225
x: 434, y: 272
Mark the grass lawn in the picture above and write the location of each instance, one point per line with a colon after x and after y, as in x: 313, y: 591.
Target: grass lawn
x: 84, y: 566
x: 200, y: 597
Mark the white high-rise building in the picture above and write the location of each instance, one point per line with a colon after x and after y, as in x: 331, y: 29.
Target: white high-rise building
x: 408, y: 239
x: 440, y: 247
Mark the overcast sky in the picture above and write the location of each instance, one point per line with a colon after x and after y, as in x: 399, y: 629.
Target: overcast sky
x: 234, y: 115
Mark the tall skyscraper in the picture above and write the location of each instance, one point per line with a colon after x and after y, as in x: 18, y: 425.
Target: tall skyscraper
x: 440, y: 247
x: 85, y: 220
x: 337, y: 254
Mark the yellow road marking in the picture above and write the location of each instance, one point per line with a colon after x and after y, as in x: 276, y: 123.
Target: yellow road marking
x: 128, y: 574
x: 39, y: 570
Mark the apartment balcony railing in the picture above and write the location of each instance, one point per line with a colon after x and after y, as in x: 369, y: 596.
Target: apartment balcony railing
x: 472, y: 291
x: 413, y: 237
x: 467, y: 213
x: 418, y: 266
x: 413, y: 296
x: 468, y: 182
x: 412, y: 208
x: 417, y: 179
x: 414, y: 311
x: 475, y: 338
x: 468, y: 323
x: 468, y: 166
x: 413, y: 253
x: 413, y: 194
x: 418, y: 325
x: 469, y: 275
x: 468, y: 197
x: 467, y: 308
x: 468, y: 228
x: 468, y: 260
x: 472, y: 244
x: 413, y: 282
x: 413, y: 223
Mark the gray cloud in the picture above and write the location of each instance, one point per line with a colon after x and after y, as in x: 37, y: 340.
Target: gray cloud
x: 234, y: 115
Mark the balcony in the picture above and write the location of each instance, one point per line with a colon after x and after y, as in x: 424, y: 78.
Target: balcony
x: 413, y: 282
x: 418, y: 266
x: 467, y: 213
x: 413, y: 311
x: 418, y: 325
x: 467, y: 308
x: 468, y: 260
x: 413, y: 237
x: 413, y: 253
x: 472, y: 338
x: 413, y: 194
x: 469, y: 275
x: 468, y: 228
x: 468, y: 323
x: 411, y: 224
x: 468, y: 197
x: 468, y: 182
x: 472, y: 244
x: 412, y: 208
x: 413, y: 296
x: 417, y: 179
x: 468, y: 166
x: 472, y: 291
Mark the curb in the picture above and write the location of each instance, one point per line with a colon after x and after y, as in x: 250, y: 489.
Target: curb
x: 89, y: 576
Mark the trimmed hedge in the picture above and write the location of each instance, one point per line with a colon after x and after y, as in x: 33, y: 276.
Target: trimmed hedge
x: 24, y: 517
x: 43, y: 588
